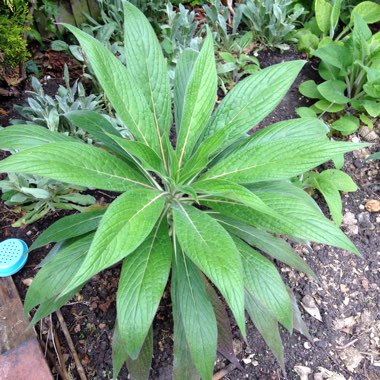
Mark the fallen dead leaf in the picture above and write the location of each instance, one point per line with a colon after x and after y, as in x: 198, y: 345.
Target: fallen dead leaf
x: 105, y: 306
x: 330, y: 375
x: 372, y: 205
x: 27, y: 281
x: 311, y: 307
x: 302, y: 371
x: 365, y: 284
x: 351, y: 358
x: 345, y: 324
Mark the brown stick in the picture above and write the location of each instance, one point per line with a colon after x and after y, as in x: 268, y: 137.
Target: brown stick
x: 52, y: 359
x: 61, y: 359
x: 66, y: 332
x: 223, y: 372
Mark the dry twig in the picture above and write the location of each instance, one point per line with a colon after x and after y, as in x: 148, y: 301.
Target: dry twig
x: 66, y: 332
x: 223, y: 372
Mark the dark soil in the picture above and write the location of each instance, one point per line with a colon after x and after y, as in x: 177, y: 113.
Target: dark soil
x: 346, y: 293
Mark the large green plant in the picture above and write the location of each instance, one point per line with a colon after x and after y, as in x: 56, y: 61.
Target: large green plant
x: 201, y: 210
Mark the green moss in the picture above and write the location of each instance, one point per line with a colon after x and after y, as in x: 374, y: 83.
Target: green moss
x: 13, y: 19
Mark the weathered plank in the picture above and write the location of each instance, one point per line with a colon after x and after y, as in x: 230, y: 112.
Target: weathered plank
x: 20, y: 353
x: 79, y: 7
x: 13, y: 324
x: 25, y: 362
x: 94, y: 8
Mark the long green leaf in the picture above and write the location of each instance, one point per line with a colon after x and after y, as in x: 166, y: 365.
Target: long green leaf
x: 225, y: 339
x: 183, y: 366
x: 51, y: 305
x: 210, y: 247
x: 301, y: 218
x: 199, y: 100
x: 70, y: 226
x: 96, y: 125
x: 303, y: 128
x: 140, y: 367
x: 146, y: 155
x: 120, y: 88
x: 234, y: 192
x: 251, y: 100
x: 142, y: 282
x: 263, y: 282
x: 25, y: 136
x: 197, y: 315
x: 75, y: 163
x: 281, y: 159
x: 147, y: 65
x: 183, y: 72
x: 267, y: 327
x: 298, y: 322
x: 271, y: 245
x: 54, y: 276
x: 125, y: 225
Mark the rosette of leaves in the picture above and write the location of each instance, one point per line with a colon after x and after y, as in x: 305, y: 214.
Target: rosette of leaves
x: 205, y: 211
x: 35, y: 197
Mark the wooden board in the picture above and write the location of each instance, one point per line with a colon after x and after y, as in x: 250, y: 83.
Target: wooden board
x: 13, y: 324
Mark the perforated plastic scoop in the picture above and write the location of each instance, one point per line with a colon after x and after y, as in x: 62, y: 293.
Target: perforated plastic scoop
x: 13, y: 256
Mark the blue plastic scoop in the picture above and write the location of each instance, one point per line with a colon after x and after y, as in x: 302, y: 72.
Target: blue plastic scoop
x: 13, y: 256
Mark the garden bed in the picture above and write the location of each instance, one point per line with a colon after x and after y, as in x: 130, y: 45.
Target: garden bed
x: 345, y: 341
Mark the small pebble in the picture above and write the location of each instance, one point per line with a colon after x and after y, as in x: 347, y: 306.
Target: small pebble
x: 364, y: 221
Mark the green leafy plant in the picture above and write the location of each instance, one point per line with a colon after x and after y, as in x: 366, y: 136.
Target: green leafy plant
x: 329, y: 183
x: 234, y: 65
x: 272, y: 21
x: 201, y: 210
x: 34, y: 197
x: 351, y: 70
x: 322, y: 28
x: 49, y: 112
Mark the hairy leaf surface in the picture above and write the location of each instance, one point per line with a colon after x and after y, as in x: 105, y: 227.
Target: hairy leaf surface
x: 147, y: 65
x: 70, y: 226
x: 197, y: 315
x: 263, y: 283
x: 199, y: 100
x: 125, y: 225
x: 210, y: 247
x: 142, y: 281
x: 75, y: 163
x: 276, y: 160
x: 25, y: 136
x: 120, y: 87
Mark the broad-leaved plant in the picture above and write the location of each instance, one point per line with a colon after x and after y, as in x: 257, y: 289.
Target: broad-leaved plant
x: 201, y: 209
